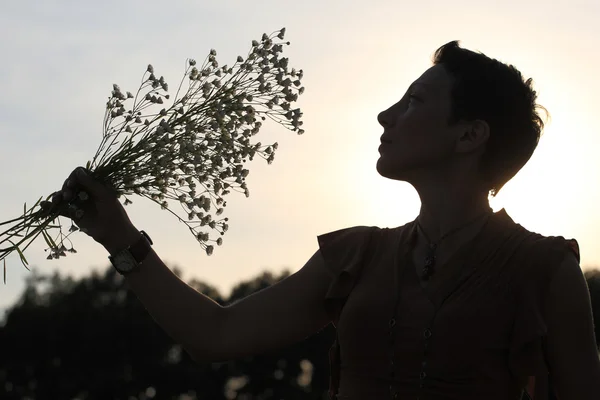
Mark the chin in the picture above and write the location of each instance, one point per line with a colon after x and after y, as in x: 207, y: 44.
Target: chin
x: 385, y: 169
x: 395, y: 171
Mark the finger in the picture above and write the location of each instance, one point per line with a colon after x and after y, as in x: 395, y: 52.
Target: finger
x: 68, y: 184
x: 49, y: 208
x: 67, y: 195
x: 82, y: 177
x: 73, y: 212
x: 56, y: 199
x: 45, y: 206
x: 69, y: 188
x: 57, y: 203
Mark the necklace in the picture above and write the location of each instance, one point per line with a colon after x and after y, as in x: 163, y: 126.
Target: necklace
x: 429, y: 265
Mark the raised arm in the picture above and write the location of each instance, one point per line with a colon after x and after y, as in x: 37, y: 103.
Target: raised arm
x: 275, y: 317
x: 280, y: 315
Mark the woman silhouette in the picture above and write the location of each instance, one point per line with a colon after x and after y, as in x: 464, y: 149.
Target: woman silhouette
x: 461, y: 303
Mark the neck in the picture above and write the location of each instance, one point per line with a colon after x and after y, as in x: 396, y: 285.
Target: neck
x: 446, y: 207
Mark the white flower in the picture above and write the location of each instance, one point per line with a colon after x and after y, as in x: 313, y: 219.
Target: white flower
x: 202, y: 237
x: 206, y: 204
x: 205, y: 135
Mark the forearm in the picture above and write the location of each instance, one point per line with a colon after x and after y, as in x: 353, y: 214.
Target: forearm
x: 189, y: 317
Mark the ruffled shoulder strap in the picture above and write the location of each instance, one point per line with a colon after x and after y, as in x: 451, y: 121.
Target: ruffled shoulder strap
x: 540, y: 259
x: 344, y: 252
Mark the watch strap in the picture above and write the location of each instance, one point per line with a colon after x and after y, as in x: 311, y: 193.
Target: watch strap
x: 140, y: 249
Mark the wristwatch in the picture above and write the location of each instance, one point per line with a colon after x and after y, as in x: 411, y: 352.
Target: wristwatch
x: 129, y: 259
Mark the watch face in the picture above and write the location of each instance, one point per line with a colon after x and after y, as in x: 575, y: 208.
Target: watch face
x: 124, y: 262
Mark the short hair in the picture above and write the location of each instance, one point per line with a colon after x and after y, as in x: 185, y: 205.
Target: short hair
x: 495, y: 92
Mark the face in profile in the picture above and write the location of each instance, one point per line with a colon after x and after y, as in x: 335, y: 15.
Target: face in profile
x: 418, y: 139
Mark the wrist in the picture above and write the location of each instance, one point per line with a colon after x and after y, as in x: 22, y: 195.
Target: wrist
x: 122, y: 240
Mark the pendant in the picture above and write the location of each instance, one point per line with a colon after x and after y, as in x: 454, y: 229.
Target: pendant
x: 429, y: 266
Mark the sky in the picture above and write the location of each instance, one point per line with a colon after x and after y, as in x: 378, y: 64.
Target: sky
x: 61, y: 58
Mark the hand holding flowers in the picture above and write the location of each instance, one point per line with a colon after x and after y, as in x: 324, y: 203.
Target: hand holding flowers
x: 192, y: 152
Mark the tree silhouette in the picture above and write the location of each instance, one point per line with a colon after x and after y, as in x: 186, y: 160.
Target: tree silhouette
x: 92, y: 339
x: 300, y: 371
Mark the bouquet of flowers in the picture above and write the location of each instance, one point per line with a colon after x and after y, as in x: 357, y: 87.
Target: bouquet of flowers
x: 192, y: 151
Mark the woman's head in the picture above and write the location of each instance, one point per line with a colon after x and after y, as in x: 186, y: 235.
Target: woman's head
x: 468, y: 116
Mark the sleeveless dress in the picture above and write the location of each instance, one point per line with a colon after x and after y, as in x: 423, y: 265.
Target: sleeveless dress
x: 476, y: 331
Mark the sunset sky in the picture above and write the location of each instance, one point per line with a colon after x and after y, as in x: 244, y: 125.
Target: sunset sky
x: 60, y: 59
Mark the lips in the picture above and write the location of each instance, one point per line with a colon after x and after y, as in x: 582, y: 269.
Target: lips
x: 384, y: 140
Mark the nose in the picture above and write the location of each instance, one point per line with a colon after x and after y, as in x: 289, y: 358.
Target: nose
x: 382, y: 118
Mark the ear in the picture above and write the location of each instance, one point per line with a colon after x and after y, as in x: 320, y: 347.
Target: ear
x: 475, y: 135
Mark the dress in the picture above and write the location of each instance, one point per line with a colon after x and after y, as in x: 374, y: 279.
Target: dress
x: 476, y: 331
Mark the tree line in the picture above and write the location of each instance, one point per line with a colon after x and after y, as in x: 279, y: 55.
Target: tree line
x: 91, y: 339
